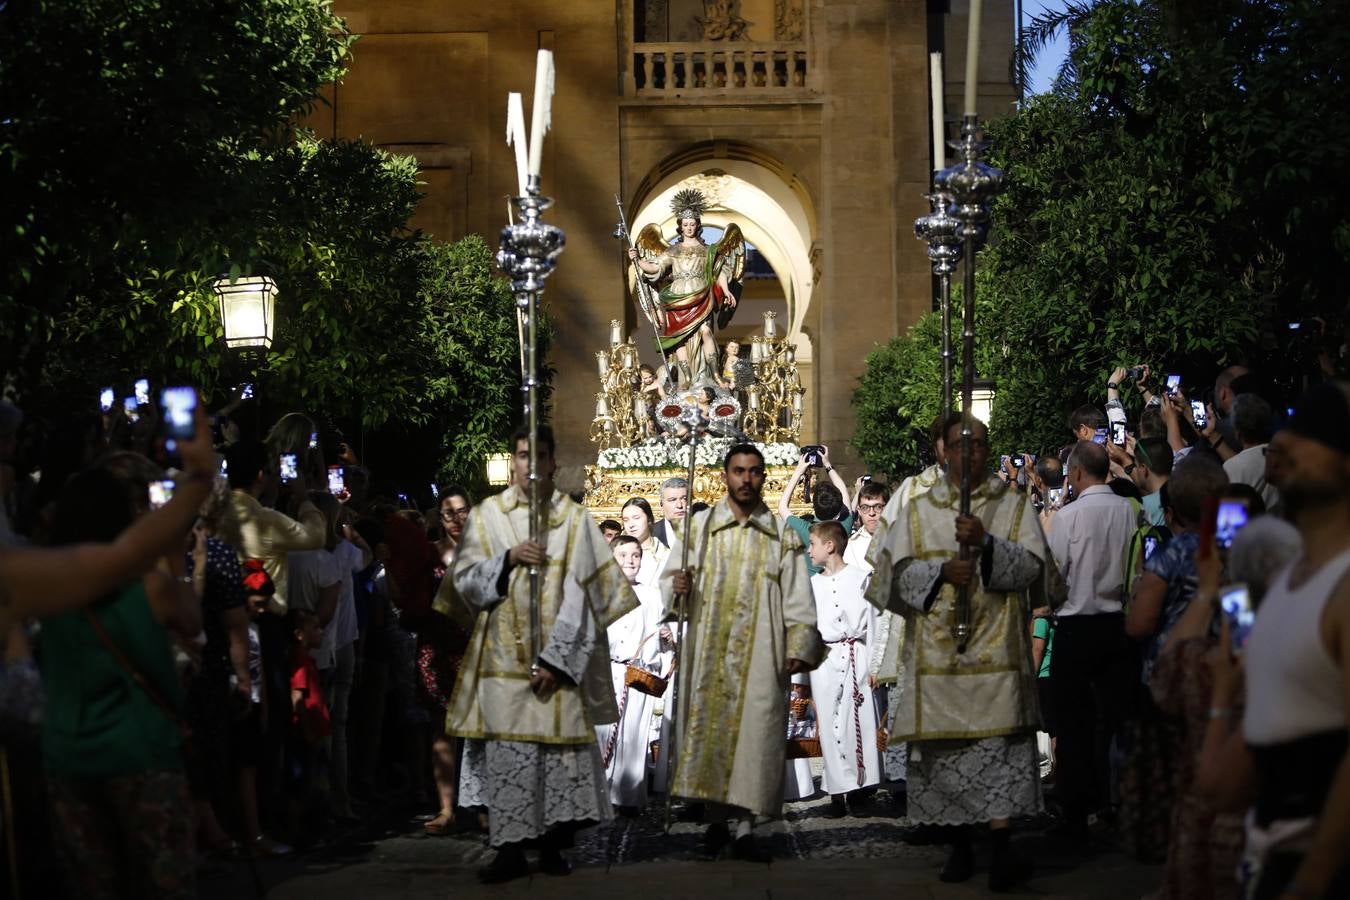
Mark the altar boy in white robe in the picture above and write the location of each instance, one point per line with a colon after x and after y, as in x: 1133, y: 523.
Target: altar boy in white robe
x: 636, y: 638
x: 841, y: 685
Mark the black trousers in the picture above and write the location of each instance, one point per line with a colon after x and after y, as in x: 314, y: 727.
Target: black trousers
x: 1089, y: 679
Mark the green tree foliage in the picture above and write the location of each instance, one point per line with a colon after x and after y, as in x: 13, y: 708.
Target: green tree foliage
x: 470, y: 355
x: 126, y: 128
x: 1176, y: 200
x: 147, y: 147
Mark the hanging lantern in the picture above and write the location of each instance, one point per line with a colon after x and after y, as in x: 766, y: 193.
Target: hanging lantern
x: 499, y: 469
x: 247, y: 308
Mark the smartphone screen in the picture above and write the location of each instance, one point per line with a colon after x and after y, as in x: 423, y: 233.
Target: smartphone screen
x: 1018, y: 461
x: 1150, y: 546
x: 106, y: 399
x: 1231, y: 517
x: 1099, y: 436
x: 180, y: 407
x: 314, y: 440
x: 1118, y: 433
x: 1055, y: 496
x: 129, y: 407
x: 435, y: 491
x: 337, y: 482
x: 288, y: 469
x: 142, y: 392
x: 1236, y: 602
x: 1173, y: 384
x: 1198, y: 413
x: 1209, y: 517
x: 245, y: 392
x: 161, y: 492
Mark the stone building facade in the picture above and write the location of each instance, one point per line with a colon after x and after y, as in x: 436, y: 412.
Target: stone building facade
x: 807, y: 119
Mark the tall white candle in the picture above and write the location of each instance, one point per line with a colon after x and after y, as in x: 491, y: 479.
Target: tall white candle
x: 515, y: 137
x: 615, y: 332
x: 543, y: 100
x: 770, y: 324
x: 972, y: 57
x: 939, y: 113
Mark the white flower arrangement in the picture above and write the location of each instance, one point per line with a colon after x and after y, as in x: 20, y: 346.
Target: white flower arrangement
x: 661, y: 455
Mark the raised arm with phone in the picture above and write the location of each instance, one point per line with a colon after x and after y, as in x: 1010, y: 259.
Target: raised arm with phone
x: 39, y: 582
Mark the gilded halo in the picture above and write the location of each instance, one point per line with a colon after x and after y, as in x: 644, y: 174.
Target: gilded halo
x: 688, y: 204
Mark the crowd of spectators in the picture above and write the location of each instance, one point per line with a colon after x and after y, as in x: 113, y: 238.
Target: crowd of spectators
x: 226, y: 648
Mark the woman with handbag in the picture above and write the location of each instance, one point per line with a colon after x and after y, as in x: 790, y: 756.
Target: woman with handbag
x: 113, y: 736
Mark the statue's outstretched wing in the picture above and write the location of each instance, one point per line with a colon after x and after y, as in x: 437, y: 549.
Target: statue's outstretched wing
x: 730, y: 254
x: 729, y: 260
x: 649, y: 245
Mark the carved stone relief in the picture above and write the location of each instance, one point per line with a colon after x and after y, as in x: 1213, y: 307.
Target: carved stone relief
x: 789, y: 20
x: 720, y: 21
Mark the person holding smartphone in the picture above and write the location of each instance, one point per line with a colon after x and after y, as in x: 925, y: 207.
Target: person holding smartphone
x: 1254, y: 424
x: 257, y: 531
x: 112, y: 737
x: 1290, y: 752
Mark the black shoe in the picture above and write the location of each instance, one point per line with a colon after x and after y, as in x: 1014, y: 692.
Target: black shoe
x: 715, y: 840
x: 960, y: 864
x: 859, y: 806
x: 551, y: 862
x: 838, y: 808
x: 747, y: 850
x: 507, y: 865
x: 692, y: 812
x: 1009, y: 869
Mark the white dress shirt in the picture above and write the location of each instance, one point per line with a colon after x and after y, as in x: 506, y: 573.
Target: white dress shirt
x: 1089, y: 539
x: 1249, y: 467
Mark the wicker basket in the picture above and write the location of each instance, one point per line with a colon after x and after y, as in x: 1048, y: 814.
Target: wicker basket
x: 803, y: 748
x: 799, y: 706
x: 643, y: 681
x: 649, y: 683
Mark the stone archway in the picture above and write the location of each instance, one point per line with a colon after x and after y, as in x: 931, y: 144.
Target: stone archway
x: 775, y: 214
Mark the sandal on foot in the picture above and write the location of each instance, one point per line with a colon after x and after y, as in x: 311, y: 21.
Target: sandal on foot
x: 440, y: 824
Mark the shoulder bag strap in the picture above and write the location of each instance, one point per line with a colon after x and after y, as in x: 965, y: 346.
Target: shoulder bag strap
x: 130, y: 668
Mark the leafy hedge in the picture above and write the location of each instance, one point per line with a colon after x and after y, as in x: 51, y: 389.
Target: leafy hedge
x: 1170, y: 206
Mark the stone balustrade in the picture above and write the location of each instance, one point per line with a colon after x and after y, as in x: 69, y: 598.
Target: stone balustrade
x: 732, y: 68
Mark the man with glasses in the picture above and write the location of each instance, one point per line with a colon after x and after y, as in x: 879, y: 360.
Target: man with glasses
x: 872, y: 499
x: 970, y: 717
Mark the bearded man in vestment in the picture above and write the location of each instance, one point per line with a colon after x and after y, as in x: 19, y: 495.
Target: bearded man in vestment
x: 890, y: 627
x: 969, y: 717
x: 540, y: 775
x: 751, y: 625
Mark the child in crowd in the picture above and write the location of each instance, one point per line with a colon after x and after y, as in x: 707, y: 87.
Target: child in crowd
x: 309, y: 714
x: 246, y: 734
x: 841, y: 686
x: 1042, y: 644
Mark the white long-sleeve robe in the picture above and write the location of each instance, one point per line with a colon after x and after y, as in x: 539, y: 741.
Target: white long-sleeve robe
x: 624, y: 744
x: 844, y: 702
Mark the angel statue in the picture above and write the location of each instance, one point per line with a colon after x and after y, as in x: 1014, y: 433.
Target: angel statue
x: 698, y: 284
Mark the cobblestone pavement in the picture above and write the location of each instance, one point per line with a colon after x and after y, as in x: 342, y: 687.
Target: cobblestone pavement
x: 813, y: 856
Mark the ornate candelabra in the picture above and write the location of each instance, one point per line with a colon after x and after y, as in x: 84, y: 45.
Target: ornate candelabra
x: 941, y: 230
x: 621, y: 415
x: 972, y: 185
x: 774, y: 402
x: 529, y: 251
